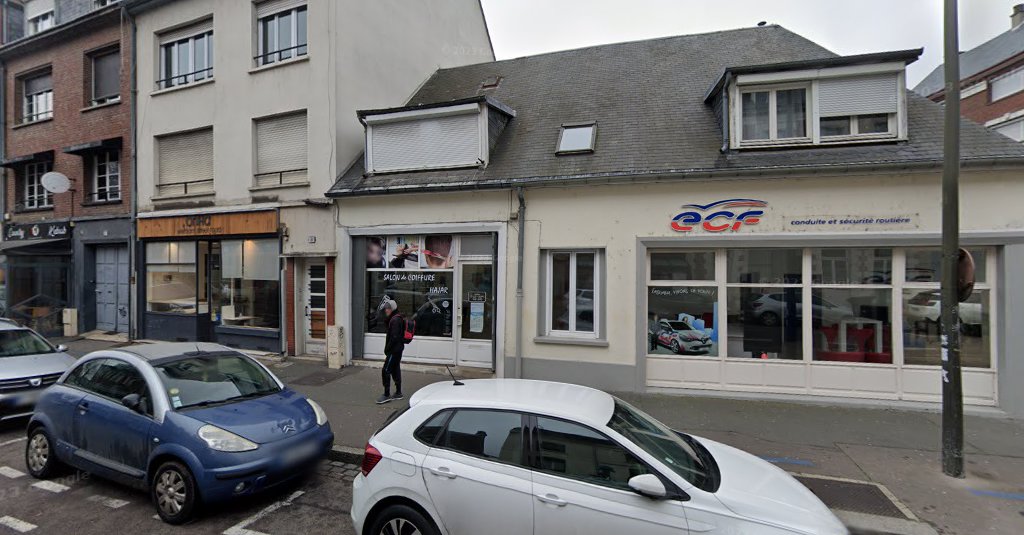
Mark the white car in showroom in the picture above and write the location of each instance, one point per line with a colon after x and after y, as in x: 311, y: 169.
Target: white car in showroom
x: 506, y: 456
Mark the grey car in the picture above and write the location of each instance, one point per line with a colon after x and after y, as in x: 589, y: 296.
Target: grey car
x: 28, y: 364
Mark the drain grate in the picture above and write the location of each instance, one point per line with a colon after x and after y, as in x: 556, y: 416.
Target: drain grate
x: 854, y: 496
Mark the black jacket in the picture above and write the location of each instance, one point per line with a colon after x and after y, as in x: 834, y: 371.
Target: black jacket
x: 394, y: 341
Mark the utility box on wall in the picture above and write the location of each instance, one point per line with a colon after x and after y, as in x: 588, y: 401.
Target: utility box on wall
x: 335, y: 346
x: 69, y: 317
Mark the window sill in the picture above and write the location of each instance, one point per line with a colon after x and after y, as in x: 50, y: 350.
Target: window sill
x: 100, y: 106
x: 161, y: 198
x: 769, y: 144
x: 100, y: 203
x: 33, y: 210
x: 571, y: 341
x: 182, y: 87
x: 825, y: 142
x: 31, y: 123
x: 276, y: 64
x: 280, y: 186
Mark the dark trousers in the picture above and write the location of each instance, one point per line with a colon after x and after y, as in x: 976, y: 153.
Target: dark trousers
x: 392, y: 370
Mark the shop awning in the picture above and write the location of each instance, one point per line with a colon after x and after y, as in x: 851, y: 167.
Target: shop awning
x: 17, y: 161
x: 44, y: 247
x: 83, y: 149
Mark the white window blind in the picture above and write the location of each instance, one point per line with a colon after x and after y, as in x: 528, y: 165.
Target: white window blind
x: 249, y: 259
x: 858, y: 96
x: 273, y: 6
x: 281, y: 149
x: 34, y: 8
x: 186, y: 162
x: 1007, y: 84
x: 231, y: 259
x: 448, y: 141
x: 171, y: 36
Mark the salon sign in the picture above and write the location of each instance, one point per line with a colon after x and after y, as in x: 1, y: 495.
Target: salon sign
x: 728, y: 215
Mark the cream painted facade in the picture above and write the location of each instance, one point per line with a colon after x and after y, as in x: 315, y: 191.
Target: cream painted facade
x: 360, y: 55
x: 627, y: 222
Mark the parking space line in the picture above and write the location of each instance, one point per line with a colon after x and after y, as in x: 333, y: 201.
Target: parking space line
x: 112, y: 503
x: 2, y: 444
x: 17, y: 525
x: 7, y: 471
x: 241, y: 527
x: 50, y: 486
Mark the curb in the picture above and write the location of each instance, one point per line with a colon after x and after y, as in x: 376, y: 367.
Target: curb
x: 346, y: 454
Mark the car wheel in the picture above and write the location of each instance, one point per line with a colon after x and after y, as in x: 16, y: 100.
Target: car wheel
x: 39, y: 454
x: 675, y: 346
x: 769, y: 319
x: 402, y: 520
x: 174, y: 492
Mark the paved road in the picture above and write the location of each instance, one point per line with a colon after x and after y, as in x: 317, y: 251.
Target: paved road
x: 87, y: 505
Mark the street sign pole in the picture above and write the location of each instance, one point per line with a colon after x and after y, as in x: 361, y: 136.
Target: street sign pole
x: 952, y: 389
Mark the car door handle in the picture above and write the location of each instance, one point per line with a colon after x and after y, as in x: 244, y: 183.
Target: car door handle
x: 552, y: 499
x: 442, y: 471
x: 83, y: 407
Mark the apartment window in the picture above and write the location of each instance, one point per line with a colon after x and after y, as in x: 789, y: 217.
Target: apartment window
x: 106, y: 177
x: 104, y: 3
x: 186, y: 55
x: 577, y: 138
x: 106, y: 77
x: 774, y: 114
x: 185, y: 163
x: 281, y: 150
x: 282, y: 31
x: 41, y: 22
x: 1013, y: 130
x: 573, y: 293
x: 34, y: 196
x: 37, y: 101
x: 1007, y: 84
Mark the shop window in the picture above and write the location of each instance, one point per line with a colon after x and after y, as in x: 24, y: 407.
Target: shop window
x: 417, y: 272
x: 765, y: 320
x: 852, y: 266
x: 250, y: 284
x: 924, y: 264
x: 572, y: 293
x: 682, y: 320
x: 697, y: 265
x: 851, y: 316
x: 765, y: 266
x: 281, y: 32
x: 171, y: 277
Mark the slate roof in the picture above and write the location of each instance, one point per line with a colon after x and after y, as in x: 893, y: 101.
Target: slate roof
x: 647, y: 98
x: 976, y: 60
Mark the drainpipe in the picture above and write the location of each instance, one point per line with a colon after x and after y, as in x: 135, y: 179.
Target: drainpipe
x: 133, y: 298
x: 519, y: 284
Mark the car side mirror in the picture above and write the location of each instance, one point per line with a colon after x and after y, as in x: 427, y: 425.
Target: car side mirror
x: 648, y: 485
x: 133, y: 402
x: 62, y: 348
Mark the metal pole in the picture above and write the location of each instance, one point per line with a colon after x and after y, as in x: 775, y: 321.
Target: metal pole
x: 952, y: 391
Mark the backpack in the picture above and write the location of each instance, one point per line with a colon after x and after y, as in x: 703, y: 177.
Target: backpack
x: 410, y: 330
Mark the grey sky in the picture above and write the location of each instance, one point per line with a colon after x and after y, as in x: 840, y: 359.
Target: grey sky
x: 525, y: 27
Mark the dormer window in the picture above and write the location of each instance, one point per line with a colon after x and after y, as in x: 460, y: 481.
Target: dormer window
x: 577, y: 138
x: 774, y: 114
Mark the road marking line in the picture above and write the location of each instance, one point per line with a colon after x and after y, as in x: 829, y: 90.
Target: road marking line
x: 12, y: 441
x: 998, y: 494
x: 112, y: 503
x: 50, y: 486
x: 788, y: 460
x: 7, y: 471
x: 240, y: 528
x: 17, y: 525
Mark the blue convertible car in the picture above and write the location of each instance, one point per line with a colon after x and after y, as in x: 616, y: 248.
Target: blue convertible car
x: 190, y: 423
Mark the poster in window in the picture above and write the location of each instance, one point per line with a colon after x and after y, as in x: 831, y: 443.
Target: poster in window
x: 437, y: 252
x: 403, y: 252
x: 682, y: 320
x: 376, y: 252
x: 425, y: 297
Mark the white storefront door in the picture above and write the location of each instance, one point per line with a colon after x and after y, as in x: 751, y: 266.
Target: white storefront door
x: 474, y: 331
x: 314, y: 299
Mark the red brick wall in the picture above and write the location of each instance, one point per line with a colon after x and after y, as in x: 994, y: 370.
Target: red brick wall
x: 978, y: 108
x: 291, y: 329
x: 72, y: 123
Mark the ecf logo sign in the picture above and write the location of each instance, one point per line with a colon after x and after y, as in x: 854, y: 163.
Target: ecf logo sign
x: 719, y: 216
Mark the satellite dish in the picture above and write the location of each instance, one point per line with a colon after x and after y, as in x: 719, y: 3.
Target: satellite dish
x: 55, y: 182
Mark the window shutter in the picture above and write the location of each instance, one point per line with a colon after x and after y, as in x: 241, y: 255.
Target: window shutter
x: 281, y: 146
x: 185, y: 157
x: 270, y: 7
x: 858, y: 96
x: 449, y: 141
x: 187, y: 31
x: 38, y: 84
x: 37, y: 7
x: 107, y: 73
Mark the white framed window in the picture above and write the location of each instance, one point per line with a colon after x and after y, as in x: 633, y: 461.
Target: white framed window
x: 769, y: 114
x: 106, y: 77
x: 186, y: 56
x: 37, y: 102
x: 1006, y: 84
x: 883, y: 124
x: 281, y: 31
x: 281, y: 150
x: 577, y: 138
x: 106, y: 177
x: 41, y: 22
x: 185, y: 163
x: 572, y: 294
x: 34, y: 195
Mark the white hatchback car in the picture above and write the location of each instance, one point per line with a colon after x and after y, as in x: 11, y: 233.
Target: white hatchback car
x: 505, y: 456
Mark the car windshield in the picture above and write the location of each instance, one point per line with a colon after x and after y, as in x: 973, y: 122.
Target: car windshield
x: 662, y: 443
x: 19, y: 342
x: 680, y: 326
x: 205, y: 380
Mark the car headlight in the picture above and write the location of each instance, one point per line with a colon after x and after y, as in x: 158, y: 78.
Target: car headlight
x: 221, y: 440
x: 321, y: 416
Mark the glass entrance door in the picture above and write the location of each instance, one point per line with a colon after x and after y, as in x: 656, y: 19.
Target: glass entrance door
x: 474, y: 344
x: 210, y: 290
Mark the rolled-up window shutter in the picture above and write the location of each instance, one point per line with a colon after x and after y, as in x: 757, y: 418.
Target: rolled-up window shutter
x: 858, y: 96
x: 37, y: 7
x: 38, y: 84
x: 107, y: 70
x: 186, y: 157
x: 187, y: 31
x: 270, y: 7
x: 281, y: 143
